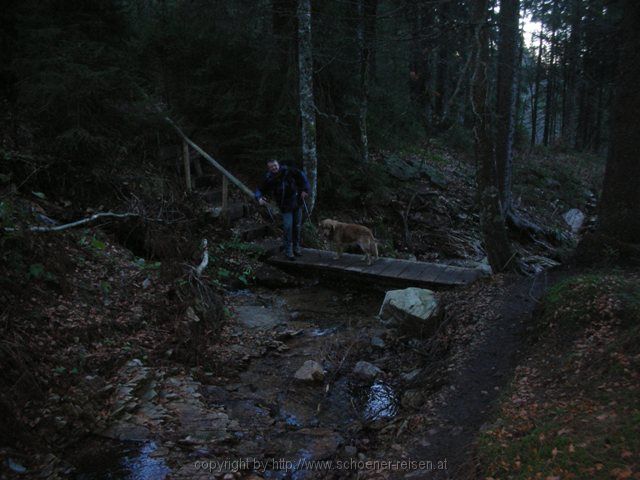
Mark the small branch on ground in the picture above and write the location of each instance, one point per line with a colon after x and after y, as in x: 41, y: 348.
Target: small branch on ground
x: 77, y: 223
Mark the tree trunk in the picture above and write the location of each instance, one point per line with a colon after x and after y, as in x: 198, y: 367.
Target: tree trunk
x: 536, y: 96
x: 307, y: 105
x: 569, y: 117
x: 363, y: 52
x: 442, y: 72
x: 618, y: 229
x: 506, y: 95
x: 492, y: 222
x: 425, y: 46
x: 620, y: 193
x: 520, y: 105
x: 547, y: 135
x: 370, y: 16
x: 283, y: 24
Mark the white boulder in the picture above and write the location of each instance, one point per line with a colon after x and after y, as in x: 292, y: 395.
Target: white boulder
x: 413, y: 310
x: 574, y: 218
x: 310, y: 371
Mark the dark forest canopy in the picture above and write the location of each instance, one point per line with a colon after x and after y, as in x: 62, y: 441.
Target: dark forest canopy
x: 228, y: 69
x: 253, y: 82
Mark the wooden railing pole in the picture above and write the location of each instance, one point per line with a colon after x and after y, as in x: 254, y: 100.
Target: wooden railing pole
x: 210, y: 159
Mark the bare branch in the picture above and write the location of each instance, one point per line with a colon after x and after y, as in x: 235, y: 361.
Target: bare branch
x: 77, y: 223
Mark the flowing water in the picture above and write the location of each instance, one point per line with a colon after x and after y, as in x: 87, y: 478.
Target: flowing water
x: 264, y: 416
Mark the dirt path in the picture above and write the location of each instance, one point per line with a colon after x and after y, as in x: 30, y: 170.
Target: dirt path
x: 459, y: 412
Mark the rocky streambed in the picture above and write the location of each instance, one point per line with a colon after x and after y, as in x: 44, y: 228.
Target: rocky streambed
x: 324, y: 390
x: 321, y: 392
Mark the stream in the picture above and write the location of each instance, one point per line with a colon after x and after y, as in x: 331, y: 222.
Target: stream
x: 266, y: 423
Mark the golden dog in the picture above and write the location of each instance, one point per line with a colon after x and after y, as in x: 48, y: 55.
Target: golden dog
x: 342, y: 234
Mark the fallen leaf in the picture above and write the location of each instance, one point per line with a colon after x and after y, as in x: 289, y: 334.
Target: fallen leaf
x: 621, y: 474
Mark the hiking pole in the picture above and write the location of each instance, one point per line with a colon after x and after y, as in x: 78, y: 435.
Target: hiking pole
x: 266, y: 205
x: 273, y: 220
x: 306, y: 209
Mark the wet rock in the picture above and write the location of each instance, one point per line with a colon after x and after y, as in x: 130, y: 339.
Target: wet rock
x: 366, y: 370
x: 191, y: 315
x: 190, y: 441
x: 378, y: 342
x: 411, y: 376
x: 574, y: 218
x: 271, y: 277
x: 311, y: 371
x: 127, y: 432
x: 286, y: 333
x: 381, y: 403
x: 350, y: 451
x: 321, y: 443
x: 15, y: 466
x: 412, y: 310
x: 216, y: 394
x: 483, y: 266
x: 412, y: 399
x: 260, y: 318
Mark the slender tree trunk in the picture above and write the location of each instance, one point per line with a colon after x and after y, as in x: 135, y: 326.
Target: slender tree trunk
x: 307, y: 105
x: 569, y: 118
x: 520, y: 105
x: 370, y: 16
x: 547, y: 135
x: 283, y: 107
x: 363, y: 51
x: 442, y: 72
x: 425, y: 22
x: 492, y: 221
x: 536, y: 96
x: 506, y: 96
x: 283, y: 23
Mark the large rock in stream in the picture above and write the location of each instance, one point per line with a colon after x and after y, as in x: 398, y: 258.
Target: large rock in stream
x: 311, y: 371
x: 415, y: 311
x: 260, y: 317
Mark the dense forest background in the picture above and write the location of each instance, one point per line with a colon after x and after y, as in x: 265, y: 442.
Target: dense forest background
x: 88, y: 76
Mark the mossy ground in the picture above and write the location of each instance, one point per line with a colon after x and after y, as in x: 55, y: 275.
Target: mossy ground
x: 573, y: 409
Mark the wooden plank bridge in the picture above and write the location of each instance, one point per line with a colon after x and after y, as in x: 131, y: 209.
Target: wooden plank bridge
x: 384, y: 270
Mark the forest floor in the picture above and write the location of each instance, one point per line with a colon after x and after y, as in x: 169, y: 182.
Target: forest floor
x: 113, y: 368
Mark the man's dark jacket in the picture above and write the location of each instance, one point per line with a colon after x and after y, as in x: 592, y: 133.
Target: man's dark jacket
x: 286, y: 186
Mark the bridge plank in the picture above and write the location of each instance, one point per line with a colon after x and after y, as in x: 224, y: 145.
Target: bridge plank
x: 378, y: 268
x: 396, y: 268
x: 391, y: 270
x: 412, y: 273
x: 428, y: 272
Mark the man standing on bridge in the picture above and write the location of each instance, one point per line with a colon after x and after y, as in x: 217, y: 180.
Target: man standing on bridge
x: 290, y: 187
